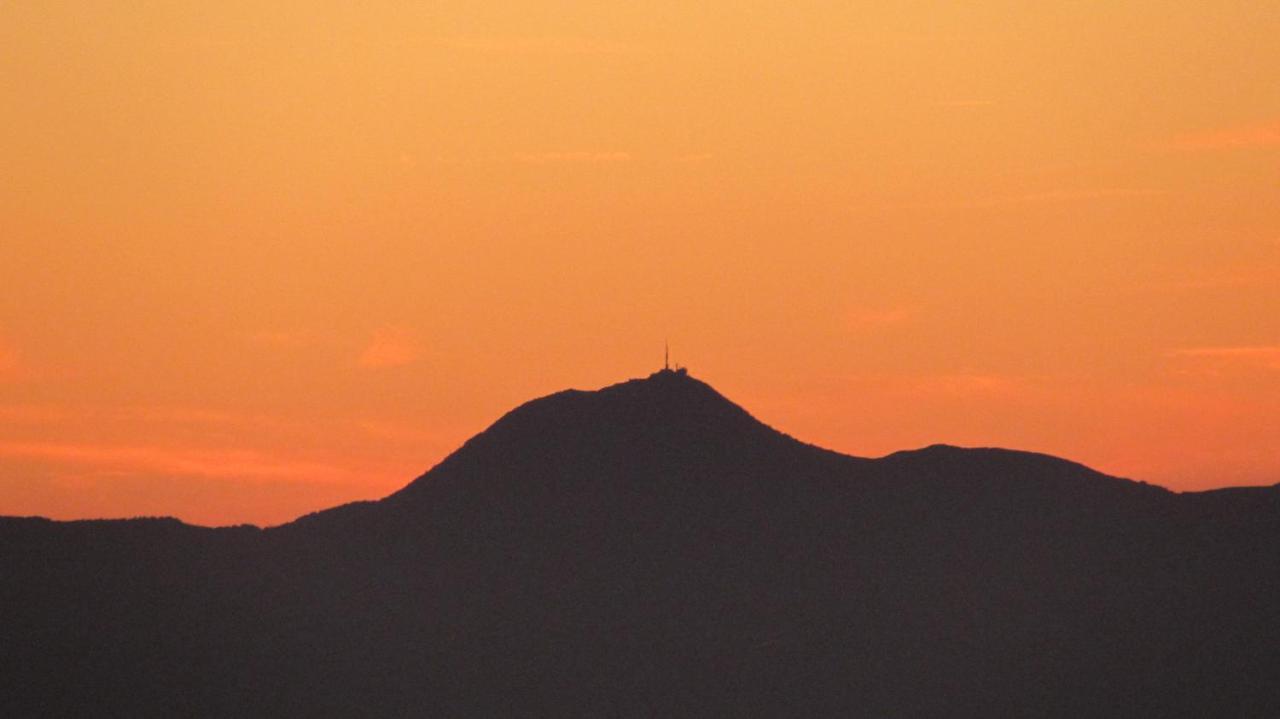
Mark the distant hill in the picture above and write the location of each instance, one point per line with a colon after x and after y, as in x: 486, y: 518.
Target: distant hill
x: 651, y: 549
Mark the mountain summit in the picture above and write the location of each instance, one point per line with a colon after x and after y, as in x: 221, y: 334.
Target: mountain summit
x: 651, y: 548
x: 666, y: 427
x: 672, y: 433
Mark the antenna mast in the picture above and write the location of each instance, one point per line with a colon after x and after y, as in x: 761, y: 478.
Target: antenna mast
x: 666, y: 355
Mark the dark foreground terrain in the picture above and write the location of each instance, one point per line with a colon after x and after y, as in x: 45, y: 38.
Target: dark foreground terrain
x: 650, y: 549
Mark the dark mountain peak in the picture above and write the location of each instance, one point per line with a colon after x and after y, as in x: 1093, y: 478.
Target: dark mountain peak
x: 666, y: 425
x: 669, y: 438
x: 666, y: 390
x: 670, y: 431
x: 666, y: 408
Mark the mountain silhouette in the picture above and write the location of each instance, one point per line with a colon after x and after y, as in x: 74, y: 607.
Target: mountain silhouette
x: 651, y: 548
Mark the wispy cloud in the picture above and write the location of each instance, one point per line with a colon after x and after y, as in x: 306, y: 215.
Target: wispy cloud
x: 9, y: 365
x: 967, y: 384
x: 692, y: 158
x: 1088, y: 194
x: 16, y: 367
x: 399, y: 433
x: 962, y: 384
x: 1263, y: 356
x: 34, y: 414
x: 965, y: 103
x: 284, y: 338
x: 1215, y: 280
x: 865, y: 318
x: 577, y: 157
x: 150, y: 416
x: 176, y: 461
x: 208, y: 464
x: 543, y: 45
x: 1261, y: 135
x: 1038, y: 198
x: 390, y: 346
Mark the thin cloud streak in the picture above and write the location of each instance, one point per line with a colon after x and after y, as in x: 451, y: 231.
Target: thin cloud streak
x: 967, y: 384
x: 284, y: 339
x: 547, y: 45
x: 965, y: 103
x: 1037, y: 198
x: 163, y: 415
x: 209, y: 463
x: 1229, y: 138
x: 1247, y: 351
x: 579, y: 158
x: 11, y: 369
x: 35, y: 414
x: 390, y: 346
x: 865, y: 318
x: 693, y: 158
x: 1267, y: 356
x: 399, y: 433
x: 1215, y: 280
x: 960, y: 384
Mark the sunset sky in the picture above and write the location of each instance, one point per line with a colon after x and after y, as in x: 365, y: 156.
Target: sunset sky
x: 259, y: 260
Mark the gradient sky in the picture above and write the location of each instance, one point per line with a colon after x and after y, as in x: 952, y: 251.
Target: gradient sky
x: 256, y: 261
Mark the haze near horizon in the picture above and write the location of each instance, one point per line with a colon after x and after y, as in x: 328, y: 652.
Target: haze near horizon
x: 260, y: 261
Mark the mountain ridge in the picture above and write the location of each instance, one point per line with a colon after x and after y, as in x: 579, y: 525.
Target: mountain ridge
x: 665, y: 391
x: 673, y: 416
x: 652, y: 548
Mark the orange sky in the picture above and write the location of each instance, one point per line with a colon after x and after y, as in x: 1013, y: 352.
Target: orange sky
x: 258, y: 261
